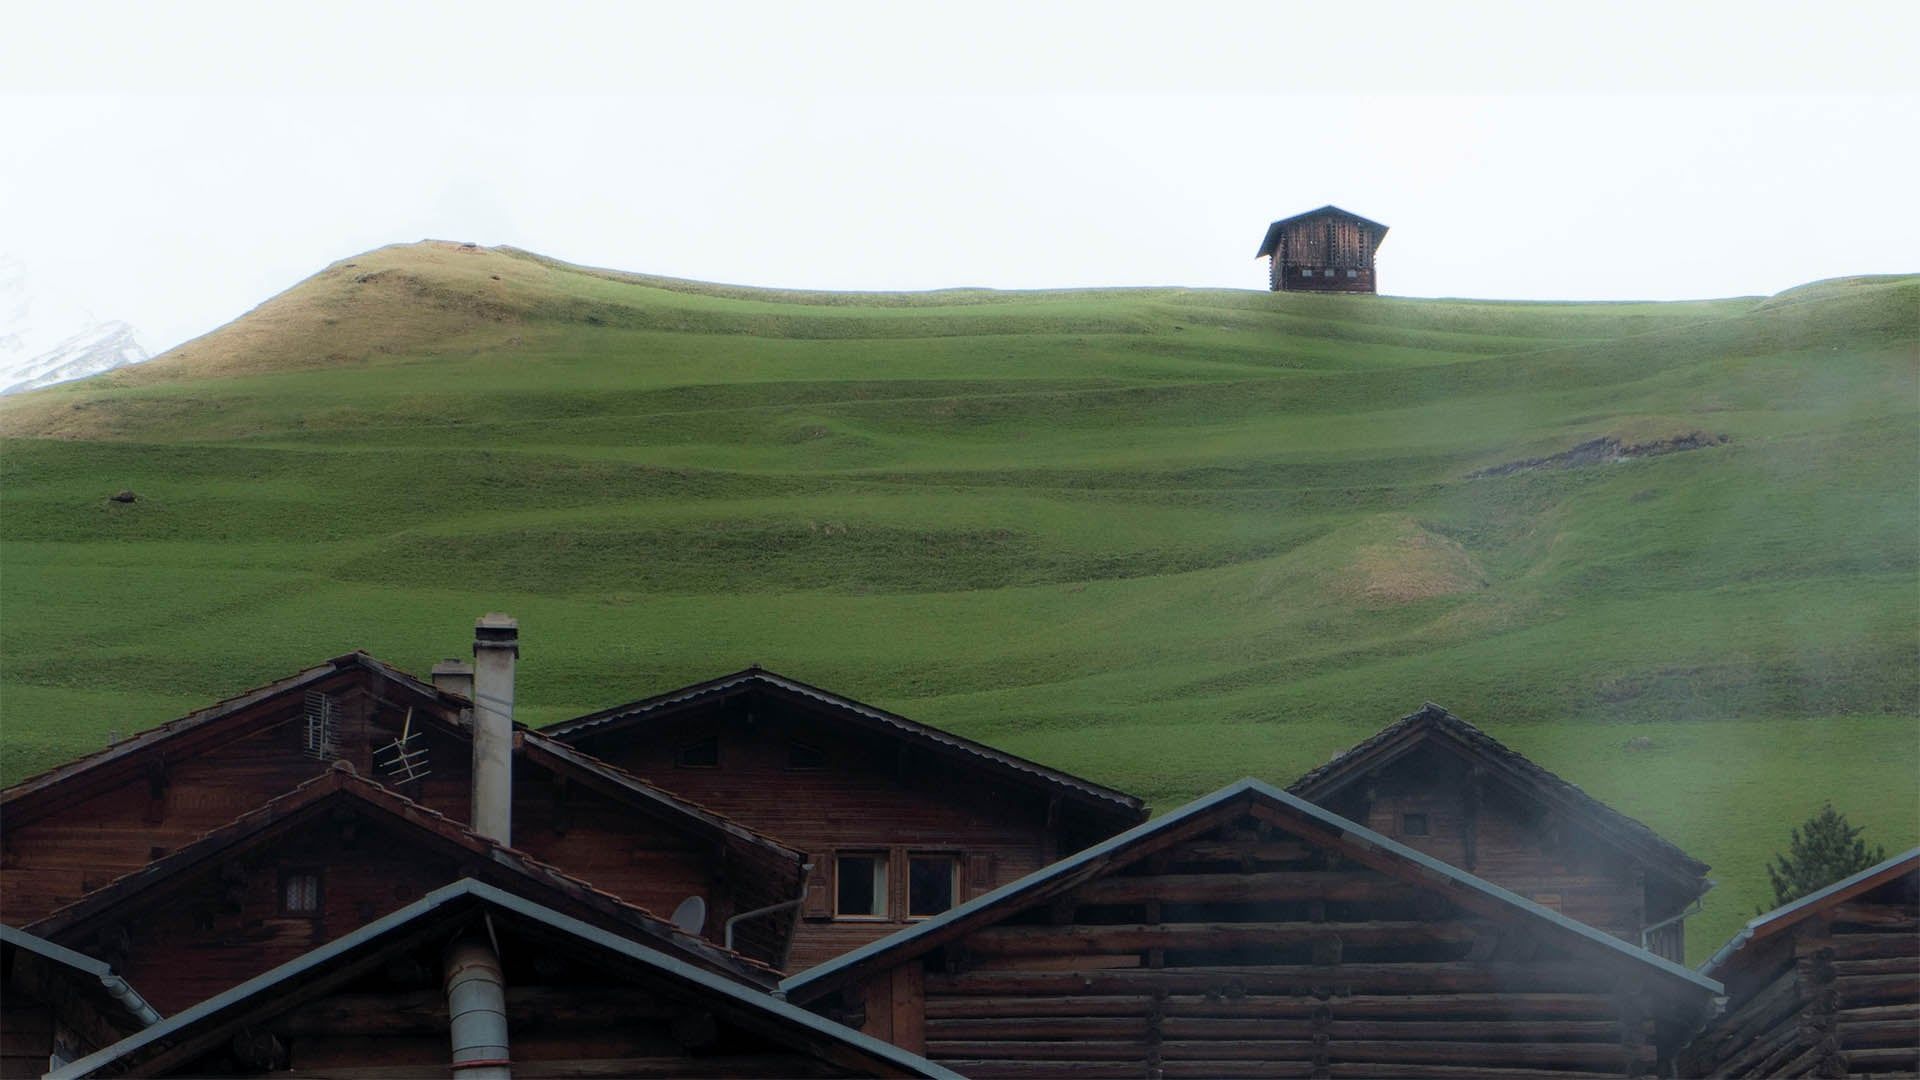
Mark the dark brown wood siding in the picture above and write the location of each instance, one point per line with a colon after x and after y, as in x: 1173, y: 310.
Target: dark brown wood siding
x: 1324, y: 253
x: 1246, y: 950
x: 1479, y: 826
x: 863, y: 795
x: 1836, y: 995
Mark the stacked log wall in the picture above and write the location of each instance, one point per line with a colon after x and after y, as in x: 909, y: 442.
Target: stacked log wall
x: 1837, y: 996
x: 1252, y: 953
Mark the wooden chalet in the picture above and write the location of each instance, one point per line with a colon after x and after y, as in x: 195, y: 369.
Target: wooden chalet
x: 1828, y: 985
x: 1439, y: 785
x: 313, y: 866
x: 73, y: 829
x: 57, y: 1005
x: 1324, y: 250
x: 488, y: 984
x: 1251, y: 933
x: 901, y: 820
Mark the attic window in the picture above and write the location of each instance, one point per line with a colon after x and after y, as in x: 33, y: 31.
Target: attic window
x: 701, y: 754
x: 930, y: 884
x: 1413, y: 825
x: 299, y: 892
x: 805, y: 756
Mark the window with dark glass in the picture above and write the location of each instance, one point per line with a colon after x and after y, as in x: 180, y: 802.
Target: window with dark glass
x: 930, y: 884
x: 300, y: 893
x: 1413, y: 825
x: 805, y: 756
x: 700, y: 754
x: 860, y: 886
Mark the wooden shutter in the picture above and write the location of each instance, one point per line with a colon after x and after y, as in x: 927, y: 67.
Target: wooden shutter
x: 819, y: 894
x: 979, y: 875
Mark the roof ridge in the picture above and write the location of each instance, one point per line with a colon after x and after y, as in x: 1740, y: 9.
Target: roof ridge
x: 907, y: 724
x: 1438, y: 717
x: 1248, y: 786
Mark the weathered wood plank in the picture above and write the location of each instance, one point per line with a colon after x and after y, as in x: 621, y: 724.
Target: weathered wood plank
x: 1073, y: 940
x: 1243, y: 888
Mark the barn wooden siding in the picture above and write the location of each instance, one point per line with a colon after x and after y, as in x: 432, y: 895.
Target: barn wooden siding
x: 53, y: 1001
x: 579, y: 1003
x: 1441, y: 786
x: 1325, y: 250
x: 1253, y: 942
x: 214, y: 914
x: 861, y: 791
x: 1832, y: 989
x: 74, y: 831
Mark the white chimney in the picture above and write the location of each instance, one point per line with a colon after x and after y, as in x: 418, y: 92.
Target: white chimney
x: 454, y: 677
x: 496, y: 645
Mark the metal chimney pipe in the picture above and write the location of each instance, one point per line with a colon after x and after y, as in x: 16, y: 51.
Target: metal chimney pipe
x: 477, y: 1011
x: 496, y: 645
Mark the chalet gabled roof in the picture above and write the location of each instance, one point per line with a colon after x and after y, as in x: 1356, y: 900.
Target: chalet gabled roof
x: 1392, y: 857
x: 328, y: 967
x: 536, y: 748
x: 865, y: 717
x: 449, y: 705
x: 1433, y: 723
x: 267, y: 821
x: 1787, y: 916
x: 1272, y: 239
x: 94, y: 980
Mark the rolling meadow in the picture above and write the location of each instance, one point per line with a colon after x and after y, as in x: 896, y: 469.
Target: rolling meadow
x: 1161, y: 537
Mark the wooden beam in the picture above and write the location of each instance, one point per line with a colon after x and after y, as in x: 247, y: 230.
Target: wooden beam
x: 1246, y: 888
x: 1130, y: 937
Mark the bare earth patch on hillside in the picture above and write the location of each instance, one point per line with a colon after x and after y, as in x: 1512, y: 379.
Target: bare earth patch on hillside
x: 1605, y: 450
x: 1409, y: 564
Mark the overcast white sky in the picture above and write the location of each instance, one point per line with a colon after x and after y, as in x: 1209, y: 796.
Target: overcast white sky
x: 173, y: 165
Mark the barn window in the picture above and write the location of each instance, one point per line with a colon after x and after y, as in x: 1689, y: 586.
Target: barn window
x: 1413, y: 825
x: 860, y: 886
x: 299, y: 892
x: 700, y: 754
x: 805, y: 756
x: 930, y: 884
x: 1305, y: 272
x: 1353, y: 273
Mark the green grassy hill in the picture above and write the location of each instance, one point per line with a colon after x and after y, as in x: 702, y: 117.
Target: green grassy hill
x: 1162, y: 537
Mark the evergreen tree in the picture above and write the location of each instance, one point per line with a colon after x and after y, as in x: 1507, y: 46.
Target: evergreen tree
x: 1823, y: 850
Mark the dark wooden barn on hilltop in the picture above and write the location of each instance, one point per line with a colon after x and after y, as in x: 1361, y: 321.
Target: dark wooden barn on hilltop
x: 1324, y: 250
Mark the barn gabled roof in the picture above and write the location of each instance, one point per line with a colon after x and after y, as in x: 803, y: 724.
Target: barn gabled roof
x: 318, y: 796
x: 1272, y: 239
x: 446, y: 713
x: 1432, y: 724
x: 638, y: 714
x: 444, y: 709
x: 93, y: 980
x: 175, y: 1041
x: 1366, y: 846
x: 1787, y: 916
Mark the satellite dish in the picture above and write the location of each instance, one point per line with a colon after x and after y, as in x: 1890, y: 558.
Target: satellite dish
x: 691, y: 915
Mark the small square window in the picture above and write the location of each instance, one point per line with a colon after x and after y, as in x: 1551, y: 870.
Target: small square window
x: 300, y: 893
x: 805, y: 756
x: 1305, y: 272
x: 930, y: 880
x: 702, y: 754
x: 1413, y: 825
x: 1353, y: 273
x: 860, y: 886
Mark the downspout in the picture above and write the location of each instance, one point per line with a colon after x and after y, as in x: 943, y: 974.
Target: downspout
x: 806, y: 871
x: 477, y: 1011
